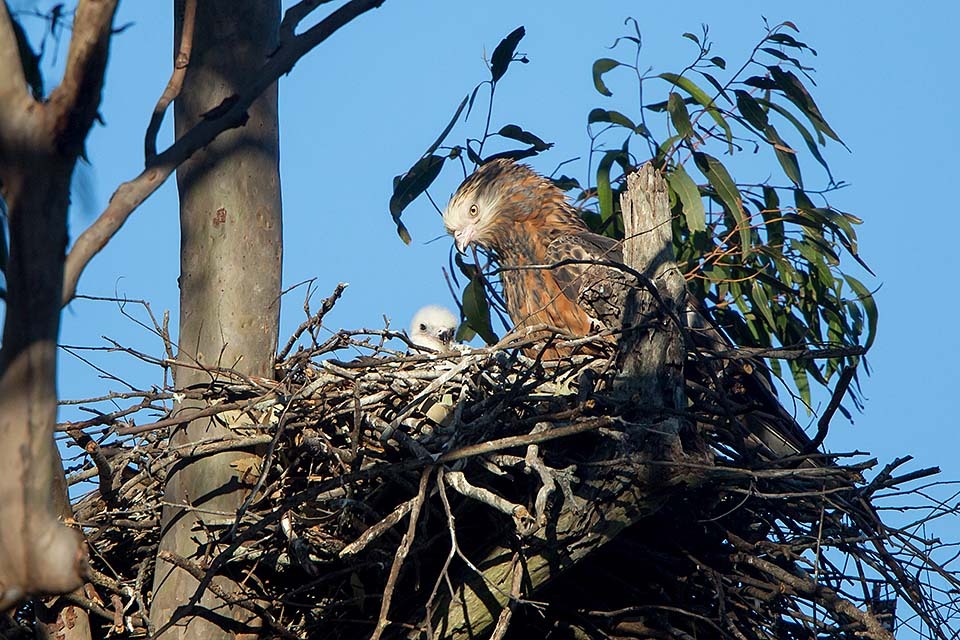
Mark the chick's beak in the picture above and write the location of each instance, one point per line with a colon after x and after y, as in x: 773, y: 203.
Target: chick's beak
x: 463, y: 237
x: 445, y: 336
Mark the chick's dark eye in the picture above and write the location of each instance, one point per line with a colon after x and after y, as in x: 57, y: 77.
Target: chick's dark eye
x: 423, y: 327
x: 474, y: 210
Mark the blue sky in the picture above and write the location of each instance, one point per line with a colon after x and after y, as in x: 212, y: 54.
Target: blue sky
x: 362, y: 107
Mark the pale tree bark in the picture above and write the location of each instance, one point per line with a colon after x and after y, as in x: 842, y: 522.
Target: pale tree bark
x: 230, y: 260
x: 61, y: 618
x: 609, y: 498
x: 39, y: 147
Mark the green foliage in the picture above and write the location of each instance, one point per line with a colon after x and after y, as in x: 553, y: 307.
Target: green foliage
x: 408, y: 186
x: 600, y: 67
x: 503, y: 54
x: 477, y: 310
x: 768, y: 272
x: 475, y: 306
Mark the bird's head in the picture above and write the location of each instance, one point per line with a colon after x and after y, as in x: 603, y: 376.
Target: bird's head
x: 495, y: 195
x: 433, y: 325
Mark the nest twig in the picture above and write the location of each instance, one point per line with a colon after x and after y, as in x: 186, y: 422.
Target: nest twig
x: 488, y: 443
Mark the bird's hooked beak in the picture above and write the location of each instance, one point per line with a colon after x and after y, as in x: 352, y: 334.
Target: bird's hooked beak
x: 464, y: 236
x: 445, y: 336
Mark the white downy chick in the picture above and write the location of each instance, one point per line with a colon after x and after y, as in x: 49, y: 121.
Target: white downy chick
x: 434, y: 327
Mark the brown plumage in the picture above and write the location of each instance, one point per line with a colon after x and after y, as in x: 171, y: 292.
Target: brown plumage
x: 556, y: 272
x: 552, y: 265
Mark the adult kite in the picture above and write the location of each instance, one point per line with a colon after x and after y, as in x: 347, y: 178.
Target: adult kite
x: 554, y: 270
x: 557, y: 272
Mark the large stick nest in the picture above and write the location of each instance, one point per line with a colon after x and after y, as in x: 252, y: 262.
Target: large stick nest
x: 386, y: 475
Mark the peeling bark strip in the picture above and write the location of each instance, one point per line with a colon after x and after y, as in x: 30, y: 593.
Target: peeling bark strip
x: 39, y: 146
x: 610, y: 497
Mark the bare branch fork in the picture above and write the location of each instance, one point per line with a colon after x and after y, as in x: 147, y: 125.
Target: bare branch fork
x: 313, y: 320
x: 230, y: 114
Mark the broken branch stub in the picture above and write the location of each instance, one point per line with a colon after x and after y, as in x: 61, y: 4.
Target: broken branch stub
x: 650, y: 353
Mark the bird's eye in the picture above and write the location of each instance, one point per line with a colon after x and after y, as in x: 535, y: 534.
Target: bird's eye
x: 423, y: 327
x: 474, y: 210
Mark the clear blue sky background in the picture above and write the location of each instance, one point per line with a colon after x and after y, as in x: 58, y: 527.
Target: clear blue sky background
x: 362, y: 107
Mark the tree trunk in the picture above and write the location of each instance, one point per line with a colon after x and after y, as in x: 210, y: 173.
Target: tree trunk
x: 59, y: 618
x: 230, y: 260
x: 610, y: 497
x: 39, y: 146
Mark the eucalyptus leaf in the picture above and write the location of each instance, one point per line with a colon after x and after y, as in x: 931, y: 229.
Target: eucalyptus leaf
x: 751, y: 110
x: 762, y: 303
x: 503, y: 54
x: 679, y: 115
x: 797, y: 93
x: 701, y: 97
x: 721, y: 91
x: 689, y: 194
x: 785, y: 155
x: 719, y: 178
x: 600, y: 67
x: 786, y: 40
x: 604, y: 189
x: 514, y: 132
x: 869, y: 306
x: 476, y: 310
x: 772, y: 217
x: 613, y: 117
x: 446, y: 130
x: 804, y: 133
x: 802, y: 382
x: 513, y: 154
x: 407, y: 187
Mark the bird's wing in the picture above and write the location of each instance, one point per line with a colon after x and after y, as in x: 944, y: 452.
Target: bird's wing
x: 587, y: 276
x: 748, y: 383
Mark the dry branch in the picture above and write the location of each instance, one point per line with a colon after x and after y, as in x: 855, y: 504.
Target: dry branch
x: 232, y: 113
x: 172, y: 90
x: 345, y: 509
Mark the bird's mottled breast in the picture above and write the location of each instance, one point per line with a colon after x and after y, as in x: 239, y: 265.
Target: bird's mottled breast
x: 532, y: 294
x: 522, y: 215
